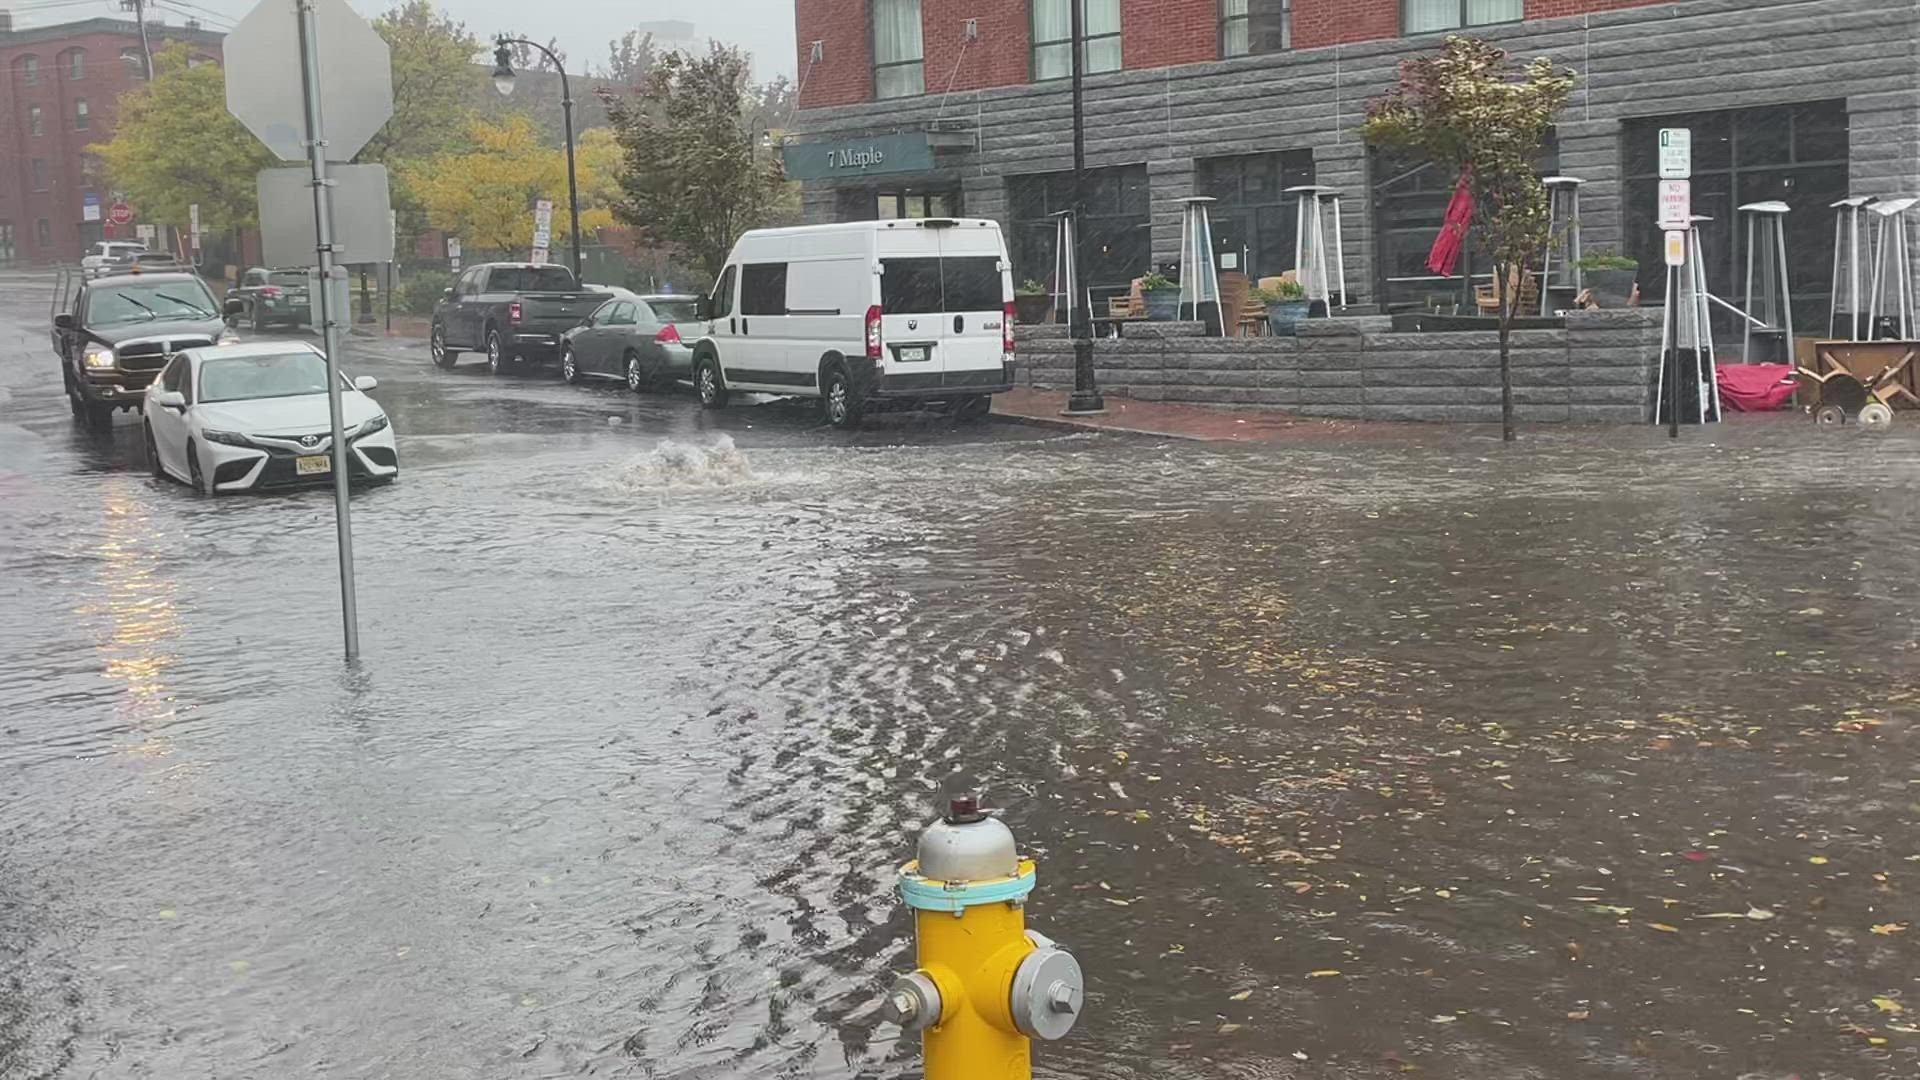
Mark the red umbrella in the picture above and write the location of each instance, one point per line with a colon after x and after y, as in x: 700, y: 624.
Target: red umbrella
x: 1445, y: 255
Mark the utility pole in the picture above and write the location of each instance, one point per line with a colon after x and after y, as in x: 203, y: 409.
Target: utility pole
x: 1086, y: 397
x: 146, y: 49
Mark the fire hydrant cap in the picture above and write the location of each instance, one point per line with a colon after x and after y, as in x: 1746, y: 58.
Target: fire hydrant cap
x: 979, y: 850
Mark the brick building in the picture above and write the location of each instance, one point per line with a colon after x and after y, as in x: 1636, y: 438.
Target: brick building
x: 961, y: 106
x: 59, y: 96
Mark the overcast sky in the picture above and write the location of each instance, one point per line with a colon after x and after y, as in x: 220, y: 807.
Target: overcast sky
x: 584, y: 27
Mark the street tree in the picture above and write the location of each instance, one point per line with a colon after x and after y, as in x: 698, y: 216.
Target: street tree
x: 175, y: 144
x: 1467, y: 109
x: 693, y: 172
x: 630, y: 57
x: 433, y: 80
x: 485, y: 193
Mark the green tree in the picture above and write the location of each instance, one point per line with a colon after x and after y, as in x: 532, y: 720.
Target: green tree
x: 629, y: 58
x: 433, y: 77
x: 485, y: 193
x: 693, y: 172
x: 175, y: 144
x: 1467, y: 109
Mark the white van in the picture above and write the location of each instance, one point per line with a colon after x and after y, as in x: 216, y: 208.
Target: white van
x: 862, y: 315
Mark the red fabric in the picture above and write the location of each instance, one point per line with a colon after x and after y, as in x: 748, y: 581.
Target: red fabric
x: 1755, y: 387
x: 1453, y: 231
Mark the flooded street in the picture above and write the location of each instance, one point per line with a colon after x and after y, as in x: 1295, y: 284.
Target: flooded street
x: 1401, y: 753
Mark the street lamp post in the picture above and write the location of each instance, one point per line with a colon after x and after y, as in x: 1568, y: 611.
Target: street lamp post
x: 503, y: 82
x: 1086, y: 398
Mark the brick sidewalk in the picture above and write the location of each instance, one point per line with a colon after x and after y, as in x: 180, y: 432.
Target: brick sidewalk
x: 1200, y: 422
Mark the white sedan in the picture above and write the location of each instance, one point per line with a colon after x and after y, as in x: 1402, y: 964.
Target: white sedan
x: 254, y: 415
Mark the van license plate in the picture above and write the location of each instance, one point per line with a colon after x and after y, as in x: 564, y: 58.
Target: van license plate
x: 914, y: 352
x: 312, y: 465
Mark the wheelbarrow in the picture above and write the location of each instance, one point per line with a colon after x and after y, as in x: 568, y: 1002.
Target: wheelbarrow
x: 1839, y: 394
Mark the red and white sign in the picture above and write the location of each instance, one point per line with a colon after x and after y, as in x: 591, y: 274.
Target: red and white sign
x: 120, y: 213
x: 1676, y: 204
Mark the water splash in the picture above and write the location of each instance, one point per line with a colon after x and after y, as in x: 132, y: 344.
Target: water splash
x: 672, y: 464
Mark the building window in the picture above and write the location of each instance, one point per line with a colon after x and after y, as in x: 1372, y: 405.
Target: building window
x: 910, y: 204
x: 1116, y: 232
x: 81, y: 118
x: 1410, y: 194
x: 30, y: 70
x: 1796, y: 154
x: 135, y: 62
x: 1424, y: 16
x: 1253, y: 223
x: 43, y: 232
x: 36, y: 122
x: 39, y: 174
x: 1053, y: 25
x: 1255, y: 26
x: 897, y: 71
x: 76, y: 65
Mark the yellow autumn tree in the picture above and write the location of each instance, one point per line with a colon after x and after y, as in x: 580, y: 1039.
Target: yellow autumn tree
x: 484, y: 192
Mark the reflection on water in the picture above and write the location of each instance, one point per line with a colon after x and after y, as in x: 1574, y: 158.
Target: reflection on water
x: 134, y: 604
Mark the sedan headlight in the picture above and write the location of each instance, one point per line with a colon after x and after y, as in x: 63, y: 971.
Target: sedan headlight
x: 228, y: 337
x: 97, y: 356
x: 230, y: 438
x: 378, y: 423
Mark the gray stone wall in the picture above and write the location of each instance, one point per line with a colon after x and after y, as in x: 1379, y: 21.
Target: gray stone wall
x: 1634, y: 62
x: 1598, y: 369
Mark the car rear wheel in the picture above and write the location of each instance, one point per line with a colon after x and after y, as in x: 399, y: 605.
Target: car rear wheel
x: 706, y: 379
x: 639, y: 379
x: 973, y: 409
x: 259, y: 324
x: 153, y: 453
x: 569, y: 371
x: 840, y: 400
x: 443, y: 357
x: 496, y: 353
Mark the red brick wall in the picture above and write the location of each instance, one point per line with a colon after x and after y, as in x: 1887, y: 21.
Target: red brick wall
x: 845, y: 74
x: 999, y: 58
x: 1161, y: 33
x: 1554, y: 9
x: 1338, y: 22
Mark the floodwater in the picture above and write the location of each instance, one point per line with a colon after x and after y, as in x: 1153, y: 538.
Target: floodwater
x: 1405, y: 754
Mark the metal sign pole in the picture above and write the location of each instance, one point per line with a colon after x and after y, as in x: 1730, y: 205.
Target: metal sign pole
x: 329, y: 322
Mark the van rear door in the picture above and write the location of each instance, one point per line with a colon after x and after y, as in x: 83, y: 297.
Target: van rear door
x: 973, y: 288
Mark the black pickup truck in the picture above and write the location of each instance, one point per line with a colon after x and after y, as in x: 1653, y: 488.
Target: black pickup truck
x: 512, y: 312
x: 115, y: 333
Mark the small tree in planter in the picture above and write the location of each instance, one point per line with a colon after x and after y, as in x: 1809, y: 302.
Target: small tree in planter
x: 1286, y: 304
x: 1610, y: 277
x: 1467, y: 109
x: 1031, y: 302
x: 1161, y: 295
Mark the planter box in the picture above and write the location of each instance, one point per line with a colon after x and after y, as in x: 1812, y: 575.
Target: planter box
x: 1031, y: 309
x: 1163, y: 305
x: 1611, y: 288
x: 1284, y: 315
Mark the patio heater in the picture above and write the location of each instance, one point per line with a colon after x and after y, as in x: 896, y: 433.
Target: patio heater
x: 1769, y: 296
x: 1849, y: 216
x: 1318, y: 263
x: 1892, y: 291
x: 1686, y: 341
x: 1199, y: 277
x: 1066, y: 275
x: 1563, y: 244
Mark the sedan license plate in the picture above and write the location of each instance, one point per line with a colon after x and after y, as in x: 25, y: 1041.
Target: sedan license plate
x: 910, y: 353
x: 312, y: 465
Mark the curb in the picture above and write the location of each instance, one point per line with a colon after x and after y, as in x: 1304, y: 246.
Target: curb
x: 1062, y: 423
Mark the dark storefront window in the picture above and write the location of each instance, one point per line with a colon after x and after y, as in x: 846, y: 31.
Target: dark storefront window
x: 1116, y: 245
x: 1796, y: 154
x: 867, y: 204
x: 1254, y: 222
x: 1410, y: 197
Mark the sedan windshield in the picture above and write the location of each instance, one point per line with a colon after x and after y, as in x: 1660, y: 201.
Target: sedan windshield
x: 146, y: 302
x: 245, y: 378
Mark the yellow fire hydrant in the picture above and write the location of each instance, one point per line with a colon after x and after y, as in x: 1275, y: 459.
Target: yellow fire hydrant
x: 986, y: 985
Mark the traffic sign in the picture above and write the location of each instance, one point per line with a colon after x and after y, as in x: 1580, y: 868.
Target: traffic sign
x: 193, y: 226
x: 120, y: 213
x: 539, y: 257
x: 1676, y: 248
x: 356, y: 194
x: 90, y: 206
x: 1676, y: 204
x: 1676, y: 153
x: 262, y: 57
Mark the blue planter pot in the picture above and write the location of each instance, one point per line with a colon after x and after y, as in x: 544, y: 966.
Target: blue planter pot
x: 1163, y: 305
x: 1282, y: 316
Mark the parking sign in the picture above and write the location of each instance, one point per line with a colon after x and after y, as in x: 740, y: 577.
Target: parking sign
x: 1676, y: 153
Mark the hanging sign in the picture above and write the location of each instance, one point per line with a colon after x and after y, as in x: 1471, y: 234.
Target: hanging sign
x: 1676, y: 204
x: 1676, y: 248
x: 1676, y: 153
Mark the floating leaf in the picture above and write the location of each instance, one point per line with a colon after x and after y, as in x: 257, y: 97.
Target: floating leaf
x: 1664, y: 928
x: 1888, y: 1005
x: 1116, y: 902
x: 1241, y: 996
x: 1227, y: 1029
x: 1444, y: 1018
x: 1888, y: 929
x: 1323, y: 973
x: 1818, y: 860
x: 1578, y: 1014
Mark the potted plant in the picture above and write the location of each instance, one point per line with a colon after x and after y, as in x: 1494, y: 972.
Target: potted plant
x: 1287, y: 304
x: 1031, y: 303
x: 1609, y: 275
x: 1161, y: 296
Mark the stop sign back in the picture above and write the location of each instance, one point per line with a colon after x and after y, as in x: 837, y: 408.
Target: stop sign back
x: 120, y: 213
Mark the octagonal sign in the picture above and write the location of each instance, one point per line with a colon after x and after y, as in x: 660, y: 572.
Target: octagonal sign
x: 262, y: 58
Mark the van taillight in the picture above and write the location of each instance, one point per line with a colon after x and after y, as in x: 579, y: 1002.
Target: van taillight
x: 873, y: 332
x: 667, y: 335
x: 513, y: 311
x: 1006, y: 328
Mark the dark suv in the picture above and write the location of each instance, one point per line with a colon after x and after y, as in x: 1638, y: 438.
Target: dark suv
x: 119, y: 331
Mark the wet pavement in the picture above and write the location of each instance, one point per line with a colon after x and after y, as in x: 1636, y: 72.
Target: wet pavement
x: 1379, y: 755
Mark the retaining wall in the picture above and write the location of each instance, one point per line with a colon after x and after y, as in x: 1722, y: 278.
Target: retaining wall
x: 1600, y: 368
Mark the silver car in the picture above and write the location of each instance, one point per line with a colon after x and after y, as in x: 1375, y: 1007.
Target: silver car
x: 635, y: 339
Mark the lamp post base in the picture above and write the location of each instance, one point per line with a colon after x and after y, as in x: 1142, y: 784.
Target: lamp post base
x: 1085, y: 404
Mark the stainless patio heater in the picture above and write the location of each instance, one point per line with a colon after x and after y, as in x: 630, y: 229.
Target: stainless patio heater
x: 1849, y: 236
x: 1891, y: 296
x: 1317, y: 256
x: 1686, y: 340
x: 1560, y: 274
x: 1066, y: 275
x: 1769, y: 296
x: 1199, y: 277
